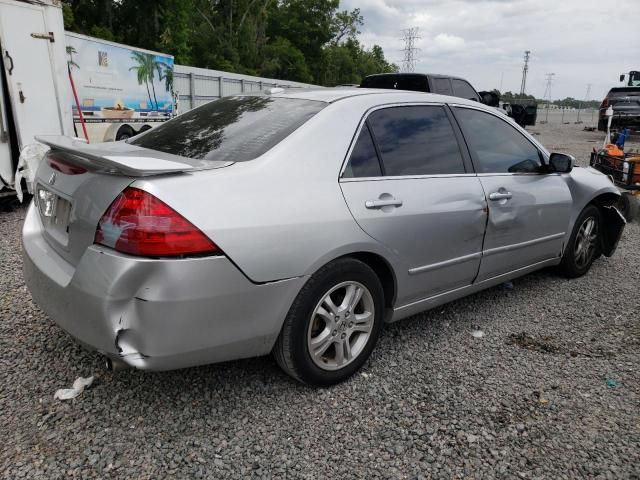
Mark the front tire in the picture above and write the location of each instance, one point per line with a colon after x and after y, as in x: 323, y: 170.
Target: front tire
x: 584, y: 245
x: 333, y: 324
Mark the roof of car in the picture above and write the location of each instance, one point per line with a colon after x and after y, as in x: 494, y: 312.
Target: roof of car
x: 331, y: 95
x: 434, y: 75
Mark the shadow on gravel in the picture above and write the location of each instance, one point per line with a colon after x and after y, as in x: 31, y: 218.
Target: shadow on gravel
x: 464, y: 314
x: 548, y: 344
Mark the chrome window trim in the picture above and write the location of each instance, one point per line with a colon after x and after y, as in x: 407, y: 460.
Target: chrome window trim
x: 406, y: 177
x: 444, y: 175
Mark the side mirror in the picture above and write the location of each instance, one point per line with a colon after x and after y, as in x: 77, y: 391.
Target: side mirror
x: 561, y: 163
x: 622, y: 77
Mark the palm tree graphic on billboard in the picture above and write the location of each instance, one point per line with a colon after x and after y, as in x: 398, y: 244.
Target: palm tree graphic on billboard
x: 146, y: 67
x: 71, y: 52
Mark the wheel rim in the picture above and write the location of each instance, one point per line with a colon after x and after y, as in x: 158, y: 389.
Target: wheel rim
x: 340, y: 326
x: 586, y: 241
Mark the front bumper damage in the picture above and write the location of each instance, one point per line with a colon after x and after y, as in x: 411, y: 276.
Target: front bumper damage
x: 155, y: 314
x: 613, y: 226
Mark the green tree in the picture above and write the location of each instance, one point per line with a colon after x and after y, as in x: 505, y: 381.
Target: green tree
x: 283, y: 60
x: 305, y: 40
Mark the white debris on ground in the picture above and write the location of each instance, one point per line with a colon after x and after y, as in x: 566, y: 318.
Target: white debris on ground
x: 477, y: 333
x: 76, y: 389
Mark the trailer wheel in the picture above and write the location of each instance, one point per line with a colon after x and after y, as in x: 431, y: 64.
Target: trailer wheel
x: 125, y: 132
x: 629, y: 206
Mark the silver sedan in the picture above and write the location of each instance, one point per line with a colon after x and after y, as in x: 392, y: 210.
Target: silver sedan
x: 297, y: 224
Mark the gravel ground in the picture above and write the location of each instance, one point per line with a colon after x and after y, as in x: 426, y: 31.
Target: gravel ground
x: 552, y: 390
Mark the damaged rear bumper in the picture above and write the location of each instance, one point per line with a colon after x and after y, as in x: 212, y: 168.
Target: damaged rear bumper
x: 156, y: 314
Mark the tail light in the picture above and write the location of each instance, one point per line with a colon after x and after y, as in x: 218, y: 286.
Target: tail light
x: 605, y: 103
x: 140, y: 224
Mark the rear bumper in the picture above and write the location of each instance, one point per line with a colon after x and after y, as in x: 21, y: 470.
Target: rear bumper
x: 155, y: 314
x: 622, y: 119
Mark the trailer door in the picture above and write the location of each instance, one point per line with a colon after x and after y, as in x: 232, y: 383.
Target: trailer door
x: 28, y: 67
x: 6, y: 160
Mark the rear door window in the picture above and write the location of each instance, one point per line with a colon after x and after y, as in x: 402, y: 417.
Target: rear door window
x: 462, y: 89
x: 416, y: 140
x: 232, y: 129
x: 364, y: 159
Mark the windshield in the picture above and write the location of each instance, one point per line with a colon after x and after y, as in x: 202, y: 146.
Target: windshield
x: 232, y: 129
x: 634, y: 79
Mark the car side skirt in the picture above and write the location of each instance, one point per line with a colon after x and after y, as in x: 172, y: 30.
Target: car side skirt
x: 418, y: 306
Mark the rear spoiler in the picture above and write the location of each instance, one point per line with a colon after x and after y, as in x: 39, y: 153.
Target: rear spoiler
x: 123, y: 158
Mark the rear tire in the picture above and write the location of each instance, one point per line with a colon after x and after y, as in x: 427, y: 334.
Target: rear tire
x: 333, y: 324
x: 584, y: 245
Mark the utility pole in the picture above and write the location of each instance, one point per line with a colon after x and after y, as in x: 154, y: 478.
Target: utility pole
x: 586, y: 99
x: 410, y: 35
x: 525, y: 69
x: 547, y: 93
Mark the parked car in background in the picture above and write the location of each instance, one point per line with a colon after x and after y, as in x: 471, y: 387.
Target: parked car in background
x: 298, y: 223
x: 447, y: 85
x: 625, y: 102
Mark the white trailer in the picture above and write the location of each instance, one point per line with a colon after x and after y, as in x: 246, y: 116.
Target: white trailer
x: 35, y: 98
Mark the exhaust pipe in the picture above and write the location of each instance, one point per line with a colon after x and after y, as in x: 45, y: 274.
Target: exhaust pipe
x: 115, y: 365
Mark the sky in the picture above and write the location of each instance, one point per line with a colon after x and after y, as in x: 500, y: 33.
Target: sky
x: 581, y: 41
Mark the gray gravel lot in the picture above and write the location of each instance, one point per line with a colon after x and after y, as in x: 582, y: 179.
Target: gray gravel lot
x: 552, y: 390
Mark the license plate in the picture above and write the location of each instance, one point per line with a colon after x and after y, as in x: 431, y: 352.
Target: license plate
x: 54, y: 211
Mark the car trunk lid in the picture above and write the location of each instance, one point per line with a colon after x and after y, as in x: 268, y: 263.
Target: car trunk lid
x: 76, y: 183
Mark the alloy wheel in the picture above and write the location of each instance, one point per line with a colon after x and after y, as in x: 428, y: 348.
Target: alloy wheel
x: 340, y: 326
x: 586, y: 242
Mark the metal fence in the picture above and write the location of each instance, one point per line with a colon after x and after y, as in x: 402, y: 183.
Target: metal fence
x: 196, y: 86
x: 558, y: 116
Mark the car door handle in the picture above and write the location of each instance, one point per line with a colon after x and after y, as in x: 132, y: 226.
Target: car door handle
x: 391, y: 202
x: 10, y: 69
x: 500, y: 196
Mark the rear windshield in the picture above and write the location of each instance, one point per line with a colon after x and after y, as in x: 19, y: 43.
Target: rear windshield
x: 232, y: 129
x: 399, y: 82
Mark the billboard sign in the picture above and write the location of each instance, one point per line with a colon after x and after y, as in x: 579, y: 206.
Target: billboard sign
x: 116, y: 81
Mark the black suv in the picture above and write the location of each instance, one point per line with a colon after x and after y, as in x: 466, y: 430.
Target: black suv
x: 447, y: 85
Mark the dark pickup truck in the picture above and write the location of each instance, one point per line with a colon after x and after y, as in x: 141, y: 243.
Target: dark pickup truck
x: 448, y: 85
